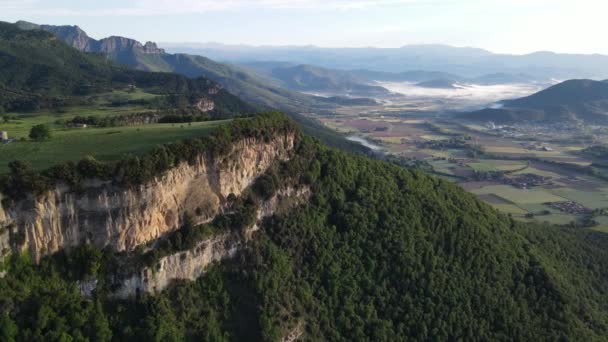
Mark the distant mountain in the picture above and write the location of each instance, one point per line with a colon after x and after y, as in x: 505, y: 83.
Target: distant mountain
x: 502, y: 78
x: 440, y: 83
x: 406, y: 76
x: 77, y: 38
x: 236, y: 80
x: 149, y: 57
x: 468, y: 62
x: 568, y: 93
x: 40, y: 71
x: 573, y: 100
x: 423, y: 76
x: 308, y: 78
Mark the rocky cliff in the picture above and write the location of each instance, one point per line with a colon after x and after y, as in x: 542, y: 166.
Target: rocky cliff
x: 115, y: 44
x: 123, y: 218
x: 77, y: 38
x: 191, y: 264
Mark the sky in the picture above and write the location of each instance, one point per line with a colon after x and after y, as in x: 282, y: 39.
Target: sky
x: 502, y: 26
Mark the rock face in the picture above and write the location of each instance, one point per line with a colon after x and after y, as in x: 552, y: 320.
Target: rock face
x: 191, y: 264
x: 122, y: 219
x: 205, y: 104
x: 115, y: 44
x: 74, y: 36
x: 187, y: 265
x: 77, y: 38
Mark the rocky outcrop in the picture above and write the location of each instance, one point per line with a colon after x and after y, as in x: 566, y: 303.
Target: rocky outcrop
x: 215, y: 89
x: 78, y: 39
x: 187, y: 265
x: 205, y: 104
x: 74, y: 36
x: 116, y: 44
x: 191, y: 264
x: 123, y: 218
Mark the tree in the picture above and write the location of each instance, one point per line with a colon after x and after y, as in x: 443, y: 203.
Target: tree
x: 40, y: 132
x: 8, y: 329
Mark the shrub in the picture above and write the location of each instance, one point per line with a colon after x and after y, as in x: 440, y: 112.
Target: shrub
x: 40, y: 132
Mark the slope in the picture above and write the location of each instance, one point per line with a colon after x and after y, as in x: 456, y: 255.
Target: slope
x: 238, y: 81
x: 569, y: 101
x: 377, y: 253
x: 40, y: 71
x: 311, y: 78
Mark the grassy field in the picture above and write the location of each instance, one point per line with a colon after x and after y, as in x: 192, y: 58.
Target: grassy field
x: 102, y: 143
x: 72, y: 144
x: 590, y: 199
x: 482, y: 167
x: 517, y: 196
x: 404, y: 135
x: 101, y: 106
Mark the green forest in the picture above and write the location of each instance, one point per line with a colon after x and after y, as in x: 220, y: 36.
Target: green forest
x: 41, y: 72
x: 379, y: 253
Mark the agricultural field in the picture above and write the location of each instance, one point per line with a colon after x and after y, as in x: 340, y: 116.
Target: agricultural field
x: 106, y: 144
x: 514, y: 174
x: 103, y: 143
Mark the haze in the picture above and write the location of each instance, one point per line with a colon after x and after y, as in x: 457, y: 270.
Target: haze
x: 559, y: 25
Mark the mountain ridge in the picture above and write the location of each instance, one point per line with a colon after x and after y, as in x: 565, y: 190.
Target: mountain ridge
x: 569, y: 101
x: 453, y: 60
x: 41, y: 71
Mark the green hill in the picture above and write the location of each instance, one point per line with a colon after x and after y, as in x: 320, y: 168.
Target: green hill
x: 378, y: 253
x: 148, y: 57
x: 572, y: 100
x: 40, y: 71
x: 238, y: 81
x: 310, y: 78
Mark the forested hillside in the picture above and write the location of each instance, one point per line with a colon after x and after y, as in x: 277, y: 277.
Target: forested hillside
x: 40, y: 71
x: 238, y: 81
x: 378, y: 253
x: 570, y: 101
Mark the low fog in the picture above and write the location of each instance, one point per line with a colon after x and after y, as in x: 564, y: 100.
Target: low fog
x: 464, y: 95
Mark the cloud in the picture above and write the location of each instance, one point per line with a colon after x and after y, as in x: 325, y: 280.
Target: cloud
x: 165, y: 7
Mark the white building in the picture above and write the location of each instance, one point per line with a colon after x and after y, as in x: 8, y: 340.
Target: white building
x: 4, y: 136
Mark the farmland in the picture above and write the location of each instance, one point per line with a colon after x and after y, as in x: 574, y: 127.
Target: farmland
x: 530, y: 173
x: 103, y: 143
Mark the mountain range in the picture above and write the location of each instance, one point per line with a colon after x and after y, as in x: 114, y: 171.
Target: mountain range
x: 257, y: 232
x: 466, y: 62
x: 569, y: 101
x: 241, y: 82
x: 39, y: 71
x: 256, y: 89
x: 310, y: 78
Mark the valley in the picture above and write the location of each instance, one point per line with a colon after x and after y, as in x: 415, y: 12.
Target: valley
x: 531, y: 171
x: 296, y: 193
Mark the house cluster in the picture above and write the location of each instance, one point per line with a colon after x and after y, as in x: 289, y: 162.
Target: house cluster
x: 527, y: 180
x: 537, y: 147
x: 569, y: 207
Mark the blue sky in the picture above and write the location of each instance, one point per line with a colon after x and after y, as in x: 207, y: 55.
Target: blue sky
x: 510, y: 26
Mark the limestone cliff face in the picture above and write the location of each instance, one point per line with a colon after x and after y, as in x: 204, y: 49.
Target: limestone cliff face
x: 205, y: 104
x: 106, y: 215
x: 115, y: 44
x: 187, y: 265
x: 191, y: 264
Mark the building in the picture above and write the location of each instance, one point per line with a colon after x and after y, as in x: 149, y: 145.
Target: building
x: 4, y: 136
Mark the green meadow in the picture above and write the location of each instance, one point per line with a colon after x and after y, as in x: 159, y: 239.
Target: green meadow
x: 104, y: 144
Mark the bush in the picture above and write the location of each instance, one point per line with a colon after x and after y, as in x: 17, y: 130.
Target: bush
x: 40, y: 132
